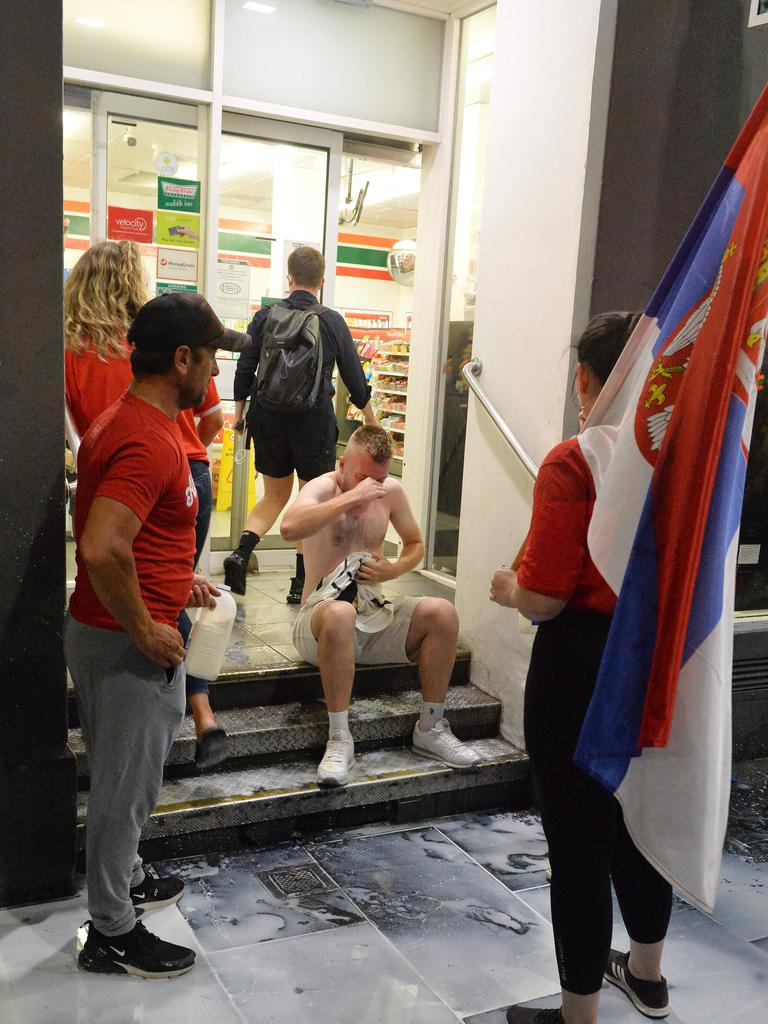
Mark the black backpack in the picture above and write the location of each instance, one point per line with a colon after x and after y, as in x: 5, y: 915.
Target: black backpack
x: 290, y: 371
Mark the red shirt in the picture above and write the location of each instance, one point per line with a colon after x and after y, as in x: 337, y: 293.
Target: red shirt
x: 133, y: 454
x: 193, y: 446
x: 556, y: 562
x: 93, y: 383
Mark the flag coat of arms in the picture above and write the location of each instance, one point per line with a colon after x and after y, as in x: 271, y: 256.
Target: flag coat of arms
x: 667, y: 444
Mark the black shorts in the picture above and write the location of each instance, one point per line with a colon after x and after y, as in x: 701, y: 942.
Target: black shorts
x: 282, y: 444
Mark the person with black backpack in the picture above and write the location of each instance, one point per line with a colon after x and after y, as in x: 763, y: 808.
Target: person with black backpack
x: 288, y: 376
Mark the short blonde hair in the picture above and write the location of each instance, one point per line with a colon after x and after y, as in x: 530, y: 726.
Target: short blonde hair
x: 307, y: 266
x: 102, y: 294
x: 374, y: 441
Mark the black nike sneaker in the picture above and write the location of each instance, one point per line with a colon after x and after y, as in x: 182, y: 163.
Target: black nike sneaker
x: 156, y: 892
x: 235, y: 571
x: 297, y: 589
x: 138, y: 952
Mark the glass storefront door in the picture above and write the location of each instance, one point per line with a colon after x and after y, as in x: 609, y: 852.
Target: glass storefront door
x: 273, y: 196
x: 119, y: 150
x: 135, y: 168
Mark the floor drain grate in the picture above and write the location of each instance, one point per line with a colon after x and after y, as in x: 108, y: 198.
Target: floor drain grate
x: 306, y: 880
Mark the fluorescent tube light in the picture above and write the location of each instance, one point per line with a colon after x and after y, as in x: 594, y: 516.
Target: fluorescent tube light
x: 259, y: 8
x: 91, y: 22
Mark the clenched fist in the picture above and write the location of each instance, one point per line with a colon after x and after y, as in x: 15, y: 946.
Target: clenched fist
x: 367, y: 491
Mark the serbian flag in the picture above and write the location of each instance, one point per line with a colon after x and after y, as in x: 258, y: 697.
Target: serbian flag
x: 667, y: 444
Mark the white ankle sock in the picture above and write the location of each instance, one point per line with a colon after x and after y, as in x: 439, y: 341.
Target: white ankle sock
x: 338, y: 723
x: 430, y: 715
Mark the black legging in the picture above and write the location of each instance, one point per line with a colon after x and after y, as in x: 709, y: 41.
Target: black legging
x: 588, y: 842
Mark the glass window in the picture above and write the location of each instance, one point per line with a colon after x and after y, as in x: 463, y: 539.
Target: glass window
x: 477, y: 56
x: 162, y: 42
x: 77, y: 183
x: 144, y: 159
x: 378, y: 215
x: 272, y: 196
x: 375, y: 64
x: 140, y: 153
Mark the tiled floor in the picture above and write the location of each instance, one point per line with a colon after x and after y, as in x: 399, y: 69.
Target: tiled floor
x: 261, y: 638
x: 427, y: 924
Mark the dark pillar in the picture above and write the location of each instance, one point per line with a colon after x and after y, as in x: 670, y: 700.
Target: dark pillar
x: 37, y: 773
x: 686, y: 74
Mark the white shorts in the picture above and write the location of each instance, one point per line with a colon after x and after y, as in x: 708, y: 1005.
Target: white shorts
x: 387, y: 647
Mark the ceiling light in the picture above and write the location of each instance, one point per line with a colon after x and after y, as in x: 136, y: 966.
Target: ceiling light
x: 91, y: 22
x: 259, y: 8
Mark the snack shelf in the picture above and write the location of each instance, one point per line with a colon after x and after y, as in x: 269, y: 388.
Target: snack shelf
x: 384, y: 354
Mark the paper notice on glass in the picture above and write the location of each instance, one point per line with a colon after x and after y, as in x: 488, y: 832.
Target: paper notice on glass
x: 233, y: 289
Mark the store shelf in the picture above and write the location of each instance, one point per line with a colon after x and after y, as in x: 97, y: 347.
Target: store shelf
x: 387, y: 372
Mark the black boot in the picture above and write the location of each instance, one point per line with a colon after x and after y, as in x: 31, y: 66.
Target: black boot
x: 235, y: 571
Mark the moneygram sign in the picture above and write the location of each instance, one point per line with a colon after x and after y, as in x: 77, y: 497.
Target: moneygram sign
x: 178, y: 194
x: 176, y: 264
x: 133, y: 225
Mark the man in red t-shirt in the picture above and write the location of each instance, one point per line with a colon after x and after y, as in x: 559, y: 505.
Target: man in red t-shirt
x: 135, y: 532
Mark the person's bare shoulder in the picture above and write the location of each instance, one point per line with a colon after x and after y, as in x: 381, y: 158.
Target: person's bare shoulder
x: 395, y: 493
x: 393, y: 487
x: 322, y: 488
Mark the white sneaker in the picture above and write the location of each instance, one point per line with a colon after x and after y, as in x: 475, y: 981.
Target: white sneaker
x: 440, y: 743
x: 338, y: 758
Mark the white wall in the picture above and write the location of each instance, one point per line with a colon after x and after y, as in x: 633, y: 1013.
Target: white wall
x: 536, y: 251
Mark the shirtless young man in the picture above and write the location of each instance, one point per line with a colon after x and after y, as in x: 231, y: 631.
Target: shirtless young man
x: 346, y: 511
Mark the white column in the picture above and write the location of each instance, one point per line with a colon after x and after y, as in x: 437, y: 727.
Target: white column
x: 547, y: 128
x: 424, y: 377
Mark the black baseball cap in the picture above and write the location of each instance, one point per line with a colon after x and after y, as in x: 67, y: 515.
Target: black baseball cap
x: 182, y: 318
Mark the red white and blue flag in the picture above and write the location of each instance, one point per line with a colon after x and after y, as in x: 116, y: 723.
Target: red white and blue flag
x: 667, y: 444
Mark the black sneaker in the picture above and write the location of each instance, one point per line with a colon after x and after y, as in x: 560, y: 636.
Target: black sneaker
x: 297, y: 589
x: 138, y: 952
x: 530, y: 1015
x: 649, y: 997
x: 211, y: 748
x: 235, y: 571
x: 156, y: 892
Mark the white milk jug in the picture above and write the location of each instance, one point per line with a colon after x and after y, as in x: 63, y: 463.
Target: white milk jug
x: 210, y: 636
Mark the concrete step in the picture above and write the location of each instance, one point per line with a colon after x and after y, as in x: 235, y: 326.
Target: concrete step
x: 264, y: 676
x: 297, y: 730
x: 232, y: 808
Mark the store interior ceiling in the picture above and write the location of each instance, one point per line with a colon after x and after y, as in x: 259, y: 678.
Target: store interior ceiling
x: 247, y: 168
x: 441, y: 6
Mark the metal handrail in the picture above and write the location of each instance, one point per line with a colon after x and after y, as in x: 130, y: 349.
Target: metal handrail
x: 471, y: 372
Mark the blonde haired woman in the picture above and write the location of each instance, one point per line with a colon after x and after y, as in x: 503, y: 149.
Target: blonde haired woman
x: 102, y: 294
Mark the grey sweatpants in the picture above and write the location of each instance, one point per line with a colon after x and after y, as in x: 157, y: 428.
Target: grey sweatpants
x: 130, y: 712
